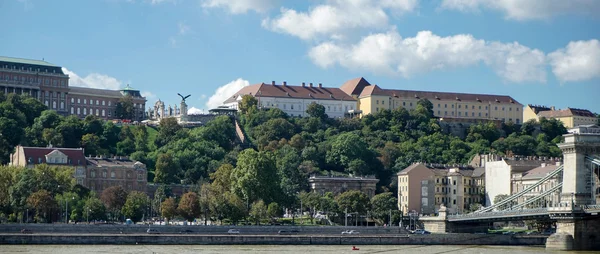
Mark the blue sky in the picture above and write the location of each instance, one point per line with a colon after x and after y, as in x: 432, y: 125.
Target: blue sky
x: 538, y: 51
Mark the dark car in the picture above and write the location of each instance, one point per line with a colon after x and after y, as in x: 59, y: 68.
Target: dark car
x: 186, y: 231
x: 287, y: 232
x: 26, y: 231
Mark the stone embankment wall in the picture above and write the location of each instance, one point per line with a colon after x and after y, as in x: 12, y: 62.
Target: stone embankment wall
x: 136, y: 234
x: 175, y: 229
x: 441, y: 239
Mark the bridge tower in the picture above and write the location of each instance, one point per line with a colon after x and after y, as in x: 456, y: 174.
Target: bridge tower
x: 577, y: 230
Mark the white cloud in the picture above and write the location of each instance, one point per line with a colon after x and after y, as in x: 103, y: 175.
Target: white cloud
x: 336, y: 18
x: 225, y: 91
x: 93, y: 80
x: 194, y: 111
x: 390, y: 54
x: 240, y: 6
x: 148, y: 94
x: 526, y: 9
x: 580, y: 60
x: 183, y: 28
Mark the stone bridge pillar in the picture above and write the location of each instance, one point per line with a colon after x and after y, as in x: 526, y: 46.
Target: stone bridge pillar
x: 575, y: 229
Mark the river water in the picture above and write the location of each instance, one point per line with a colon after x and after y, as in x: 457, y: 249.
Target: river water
x: 304, y: 249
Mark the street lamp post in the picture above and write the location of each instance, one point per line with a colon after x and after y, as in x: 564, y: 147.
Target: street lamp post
x: 346, y: 218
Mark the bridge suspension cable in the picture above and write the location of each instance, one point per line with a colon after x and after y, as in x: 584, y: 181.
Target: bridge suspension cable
x: 523, y: 192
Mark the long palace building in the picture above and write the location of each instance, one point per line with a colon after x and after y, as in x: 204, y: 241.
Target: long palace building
x: 358, y: 96
x: 49, y: 84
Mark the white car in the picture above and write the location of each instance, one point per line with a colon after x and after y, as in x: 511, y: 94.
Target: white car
x: 350, y: 232
x: 233, y: 231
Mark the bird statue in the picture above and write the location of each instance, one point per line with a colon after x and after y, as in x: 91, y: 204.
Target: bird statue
x: 184, y: 97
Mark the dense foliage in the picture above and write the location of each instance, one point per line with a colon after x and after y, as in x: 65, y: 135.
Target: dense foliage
x: 264, y: 179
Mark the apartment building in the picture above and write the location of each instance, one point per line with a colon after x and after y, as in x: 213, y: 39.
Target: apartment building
x: 337, y: 185
x: 425, y: 187
x: 94, y: 173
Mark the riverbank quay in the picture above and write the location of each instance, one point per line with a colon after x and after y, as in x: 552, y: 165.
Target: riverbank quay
x: 181, y: 239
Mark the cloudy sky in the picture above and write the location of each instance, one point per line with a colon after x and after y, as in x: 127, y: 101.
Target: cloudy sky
x: 538, y: 51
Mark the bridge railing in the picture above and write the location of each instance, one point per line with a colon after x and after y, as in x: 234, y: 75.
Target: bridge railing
x: 505, y: 213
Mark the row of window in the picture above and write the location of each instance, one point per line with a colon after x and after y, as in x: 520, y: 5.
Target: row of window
x: 85, y: 101
x: 62, y: 104
x: 91, y: 112
x: 13, y: 67
x: 113, y: 174
x: 446, y: 190
x: 452, y: 106
x: 34, y: 80
x: 299, y: 107
x: 465, y: 200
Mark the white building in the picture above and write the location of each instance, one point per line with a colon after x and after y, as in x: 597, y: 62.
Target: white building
x: 294, y: 100
x: 500, y: 173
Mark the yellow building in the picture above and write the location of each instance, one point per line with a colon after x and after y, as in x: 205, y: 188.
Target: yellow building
x: 570, y: 117
x: 372, y: 98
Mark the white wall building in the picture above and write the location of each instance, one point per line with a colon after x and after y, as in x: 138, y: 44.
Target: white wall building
x: 500, y: 173
x: 294, y: 100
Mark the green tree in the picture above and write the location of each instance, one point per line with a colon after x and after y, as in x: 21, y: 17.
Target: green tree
x: 91, y: 143
x: 135, y: 206
x: 141, y: 138
x: 189, y: 206
x: 167, y: 130
x: 114, y: 198
x: 94, y: 209
x: 168, y: 209
x: 292, y: 180
x: 254, y: 176
x: 382, y: 204
x: 316, y: 110
x: 348, y: 147
x: 124, y: 108
x: 258, y: 211
x: 248, y: 102
x: 220, y: 130
x: 43, y: 203
x: 92, y: 125
x: 167, y: 169
x: 353, y: 201
x: 235, y: 208
x: 274, y: 211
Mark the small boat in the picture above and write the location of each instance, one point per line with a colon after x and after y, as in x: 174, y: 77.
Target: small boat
x: 354, y: 248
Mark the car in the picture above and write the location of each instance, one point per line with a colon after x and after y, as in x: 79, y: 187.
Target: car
x: 26, y: 231
x: 233, y: 231
x: 288, y: 232
x: 421, y: 232
x: 508, y: 233
x: 186, y: 231
x: 350, y: 232
x: 153, y: 231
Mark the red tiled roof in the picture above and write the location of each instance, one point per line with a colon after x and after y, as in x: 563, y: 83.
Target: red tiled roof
x: 434, y: 96
x: 74, y: 154
x: 288, y: 91
x: 355, y: 86
x: 566, y: 112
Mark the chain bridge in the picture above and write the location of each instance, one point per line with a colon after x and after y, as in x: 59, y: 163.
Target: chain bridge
x: 569, y: 195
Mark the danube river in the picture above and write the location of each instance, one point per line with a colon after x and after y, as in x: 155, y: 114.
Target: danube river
x: 304, y: 249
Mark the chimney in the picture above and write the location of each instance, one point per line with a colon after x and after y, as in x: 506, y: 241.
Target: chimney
x: 273, y: 82
x: 284, y: 83
x: 320, y: 85
x: 310, y: 84
x: 303, y: 84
